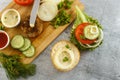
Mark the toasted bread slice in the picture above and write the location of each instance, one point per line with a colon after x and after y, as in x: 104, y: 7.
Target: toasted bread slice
x: 65, y: 55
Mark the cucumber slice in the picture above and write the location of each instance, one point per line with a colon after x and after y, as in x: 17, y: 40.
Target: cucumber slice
x: 29, y: 52
x: 91, y: 32
x: 17, y: 41
x: 27, y: 44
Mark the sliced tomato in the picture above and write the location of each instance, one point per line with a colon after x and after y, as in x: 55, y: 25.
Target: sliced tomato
x: 24, y: 2
x: 79, y: 31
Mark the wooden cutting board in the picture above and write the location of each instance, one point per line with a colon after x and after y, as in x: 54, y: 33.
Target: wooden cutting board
x: 44, y: 39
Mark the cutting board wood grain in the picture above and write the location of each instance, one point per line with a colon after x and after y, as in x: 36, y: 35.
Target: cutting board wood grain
x: 44, y: 39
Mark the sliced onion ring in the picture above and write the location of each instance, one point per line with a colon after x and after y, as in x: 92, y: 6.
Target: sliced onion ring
x: 47, y: 11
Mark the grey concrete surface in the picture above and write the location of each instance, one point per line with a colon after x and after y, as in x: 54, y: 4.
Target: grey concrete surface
x: 100, y: 64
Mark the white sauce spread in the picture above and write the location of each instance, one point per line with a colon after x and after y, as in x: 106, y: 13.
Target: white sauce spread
x: 10, y: 18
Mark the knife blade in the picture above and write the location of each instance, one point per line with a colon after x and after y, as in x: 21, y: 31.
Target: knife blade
x: 33, y: 14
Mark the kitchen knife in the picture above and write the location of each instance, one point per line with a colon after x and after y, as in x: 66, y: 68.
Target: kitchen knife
x: 33, y: 14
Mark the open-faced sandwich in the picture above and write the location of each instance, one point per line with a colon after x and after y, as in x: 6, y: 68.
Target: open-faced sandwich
x: 87, y: 33
x: 65, y: 55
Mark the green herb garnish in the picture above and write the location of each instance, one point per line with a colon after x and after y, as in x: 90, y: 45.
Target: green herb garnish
x: 65, y: 59
x: 16, y: 16
x: 67, y: 46
x: 66, y: 4
x: 82, y: 37
x: 2, y: 27
x: 5, y: 17
x: 14, y: 68
x: 60, y: 5
x: 61, y: 19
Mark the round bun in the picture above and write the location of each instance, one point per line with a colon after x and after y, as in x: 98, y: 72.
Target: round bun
x: 65, y: 55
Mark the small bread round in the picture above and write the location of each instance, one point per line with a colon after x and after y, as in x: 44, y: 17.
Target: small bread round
x: 65, y: 55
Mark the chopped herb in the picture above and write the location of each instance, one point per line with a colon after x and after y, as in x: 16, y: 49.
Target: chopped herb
x: 14, y: 68
x: 5, y: 17
x: 60, y: 5
x: 16, y: 16
x: 61, y: 19
x: 67, y: 46
x: 66, y: 4
x: 65, y: 59
x: 2, y: 27
x: 82, y: 37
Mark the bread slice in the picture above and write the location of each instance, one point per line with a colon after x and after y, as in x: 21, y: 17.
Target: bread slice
x: 65, y: 55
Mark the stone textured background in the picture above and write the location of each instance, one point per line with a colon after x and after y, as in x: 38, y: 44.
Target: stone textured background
x: 100, y: 64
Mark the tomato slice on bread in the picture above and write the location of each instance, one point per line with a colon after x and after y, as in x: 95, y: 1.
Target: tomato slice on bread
x: 79, y: 34
x: 24, y: 2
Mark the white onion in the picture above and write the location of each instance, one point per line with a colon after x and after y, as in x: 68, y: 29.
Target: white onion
x: 56, y: 1
x: 100, y: 38
x: 92, y: 30
x: 47, y: 11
